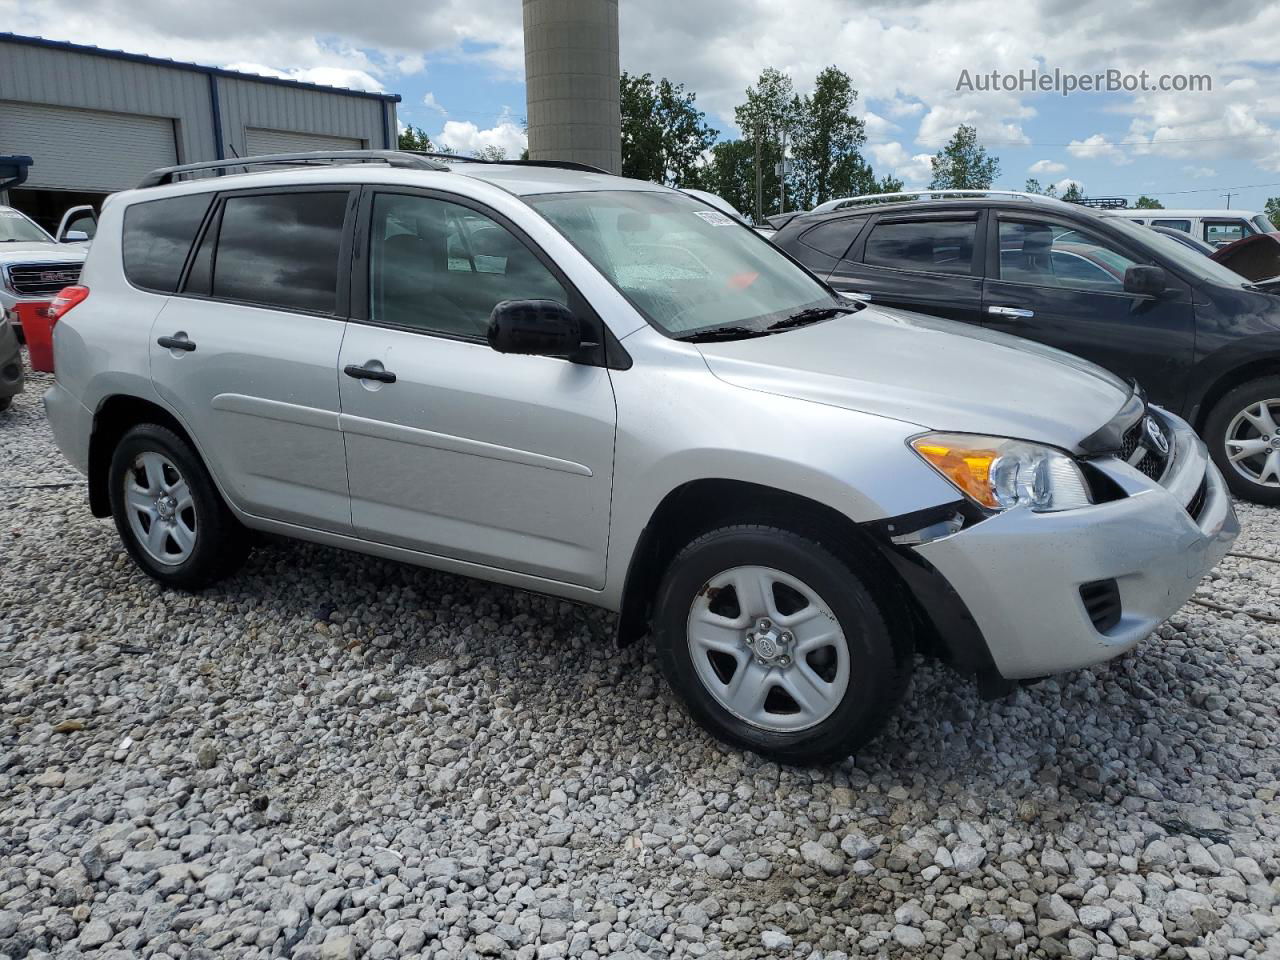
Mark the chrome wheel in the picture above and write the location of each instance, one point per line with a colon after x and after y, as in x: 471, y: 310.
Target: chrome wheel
x: 160, y: 508
x: 1253, y: 443
x: 768, y: 648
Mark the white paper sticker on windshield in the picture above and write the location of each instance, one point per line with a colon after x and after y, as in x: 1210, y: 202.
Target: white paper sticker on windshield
x: 715, y: 218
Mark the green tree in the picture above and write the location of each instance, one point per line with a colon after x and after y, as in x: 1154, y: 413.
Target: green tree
x: 1272, y: 210
x: 1147, y: 203
x: 1074, y: 193
x: 1033, y: 186
x: 964, y: 165
x: 664, y: 134
x: 828, y: 138
x: 768, y: 119
x: 415, y: 138
x: 730, y: 172
x: 493, y: 152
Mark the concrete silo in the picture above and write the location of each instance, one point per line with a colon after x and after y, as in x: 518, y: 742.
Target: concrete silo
x: 571, y: 79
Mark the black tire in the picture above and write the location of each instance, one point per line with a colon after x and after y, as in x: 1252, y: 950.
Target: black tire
x: 5, y: 403
x: 1215, y: 437
x: 221, y: 543
x: 881, y: 658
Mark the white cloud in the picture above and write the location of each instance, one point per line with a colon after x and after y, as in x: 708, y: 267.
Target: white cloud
x: 914, y: 171
x: 414, y: 63
x: 1046, y: 166
x: 1066, y: 183
x: 877, y: 126
x: 344, y: 77
x: 1199, y: 173
x: 463, y: 136
x: 1098, y: 147
x: 431, y: 103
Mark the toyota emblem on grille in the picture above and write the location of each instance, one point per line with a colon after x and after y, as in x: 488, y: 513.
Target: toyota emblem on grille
x: 1156, y: 439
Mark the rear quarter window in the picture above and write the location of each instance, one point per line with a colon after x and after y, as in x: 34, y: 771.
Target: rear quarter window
x: 157, y: 237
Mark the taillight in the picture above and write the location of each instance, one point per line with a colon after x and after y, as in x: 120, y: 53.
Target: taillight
x: 67, y: 298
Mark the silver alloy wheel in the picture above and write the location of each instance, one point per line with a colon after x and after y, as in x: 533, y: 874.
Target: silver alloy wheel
x: 768, y: 649
x: 1253, y: 443
x: 160, y: 508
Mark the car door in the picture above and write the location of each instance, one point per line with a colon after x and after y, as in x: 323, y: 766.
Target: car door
x: 929, y: 262
x: 452, y: 448
x: 247, y: 353
x: 1062, y: 284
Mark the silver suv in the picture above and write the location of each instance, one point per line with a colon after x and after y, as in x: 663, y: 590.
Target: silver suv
x: 609, y: 391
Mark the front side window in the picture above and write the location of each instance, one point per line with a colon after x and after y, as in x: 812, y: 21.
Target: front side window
x: 929, y: 246
x: 684, y: 267
x: 441, y: 267
x: 157, y: 237
x: 279, y: 250
x: 16, y: 228
x: 1264, y: 224
x: 1183, y: 225
x: 1030, y: 252
x: 1221, y: 232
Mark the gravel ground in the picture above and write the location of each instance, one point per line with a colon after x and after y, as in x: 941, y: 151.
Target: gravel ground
x: 335, y: 756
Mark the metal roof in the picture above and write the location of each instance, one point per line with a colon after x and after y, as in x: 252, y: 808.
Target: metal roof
x: 93, y: 51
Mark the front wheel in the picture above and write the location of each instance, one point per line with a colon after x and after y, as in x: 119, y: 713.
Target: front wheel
x: 168, y: 511
x: 776, y: 644
x: 1243, y: 435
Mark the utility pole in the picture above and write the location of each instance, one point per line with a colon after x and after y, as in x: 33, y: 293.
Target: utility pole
x: 1229, y: 196
x: 759, y: 179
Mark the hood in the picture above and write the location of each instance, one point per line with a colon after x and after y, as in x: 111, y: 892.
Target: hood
x: 33, y: 252
x: 940, y: 374
x: 1255, y: 258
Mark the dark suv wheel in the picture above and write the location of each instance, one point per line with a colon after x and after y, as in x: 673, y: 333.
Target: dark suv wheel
x: 170, y: 515
x: 776, y: 644
x: 1243, y: 435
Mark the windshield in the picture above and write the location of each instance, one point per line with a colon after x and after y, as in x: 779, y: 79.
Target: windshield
x: 16, y: 227
x: 684, y: 266
x: 1263, y: 223
x: 1183, y: 258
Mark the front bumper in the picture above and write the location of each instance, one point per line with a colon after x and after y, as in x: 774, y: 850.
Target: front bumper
x: 1019, y: 573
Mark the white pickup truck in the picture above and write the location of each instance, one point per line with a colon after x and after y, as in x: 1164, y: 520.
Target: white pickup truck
x: 34, y: 265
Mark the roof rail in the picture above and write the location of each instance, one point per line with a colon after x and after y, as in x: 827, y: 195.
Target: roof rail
x: 392, y: 158
x: 562, y: 164
x: 841, y: 203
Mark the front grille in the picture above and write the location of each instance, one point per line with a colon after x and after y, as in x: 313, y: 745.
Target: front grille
x: 42, y: 279
x: 1102, y: 602
x: 1139, y: 454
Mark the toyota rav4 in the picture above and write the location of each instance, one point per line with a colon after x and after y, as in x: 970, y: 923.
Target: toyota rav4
x: 609, y: 391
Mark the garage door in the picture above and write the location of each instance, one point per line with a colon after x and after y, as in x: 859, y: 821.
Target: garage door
x: 261, y: 141
x: 86, y: 150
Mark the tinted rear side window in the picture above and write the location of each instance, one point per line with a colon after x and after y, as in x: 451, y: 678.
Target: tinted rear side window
x: 280, y: 250
x: 933, y: 246
x: 834, y: 238
x: 157, y: 237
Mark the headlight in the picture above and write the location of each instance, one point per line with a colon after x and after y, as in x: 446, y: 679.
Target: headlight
x: 1000, y: 473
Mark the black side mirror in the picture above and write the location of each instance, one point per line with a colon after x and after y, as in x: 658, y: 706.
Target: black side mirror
x: 542, y: 328
x: 1146, y: 281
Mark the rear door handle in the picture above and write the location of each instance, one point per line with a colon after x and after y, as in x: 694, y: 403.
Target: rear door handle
x: 1011, y: 313
x: 179, y: 342
x: 366, y: 373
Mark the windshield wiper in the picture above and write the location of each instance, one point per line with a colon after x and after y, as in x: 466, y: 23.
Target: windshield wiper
x: 733, y: 332
x: 805, y: 317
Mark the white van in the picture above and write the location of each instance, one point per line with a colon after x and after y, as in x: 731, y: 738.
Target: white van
x: 1215, y: 227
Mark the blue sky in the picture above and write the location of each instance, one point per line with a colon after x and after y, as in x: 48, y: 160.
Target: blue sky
x: 458, y: 65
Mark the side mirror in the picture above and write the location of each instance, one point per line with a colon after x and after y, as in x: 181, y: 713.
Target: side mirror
x: 1145, y: 281
x: 75, y: 236
x: 541, y: 328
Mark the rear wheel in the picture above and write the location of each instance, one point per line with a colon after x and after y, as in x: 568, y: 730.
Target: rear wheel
x: 168, y: 512
x: 5, y: 403
x: 1243, y: 434
x: 776, y: 644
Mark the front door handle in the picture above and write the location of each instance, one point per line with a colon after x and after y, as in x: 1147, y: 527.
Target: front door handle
x: 368, y: 373
x: 177, y: 342
x: 1011, y: 313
